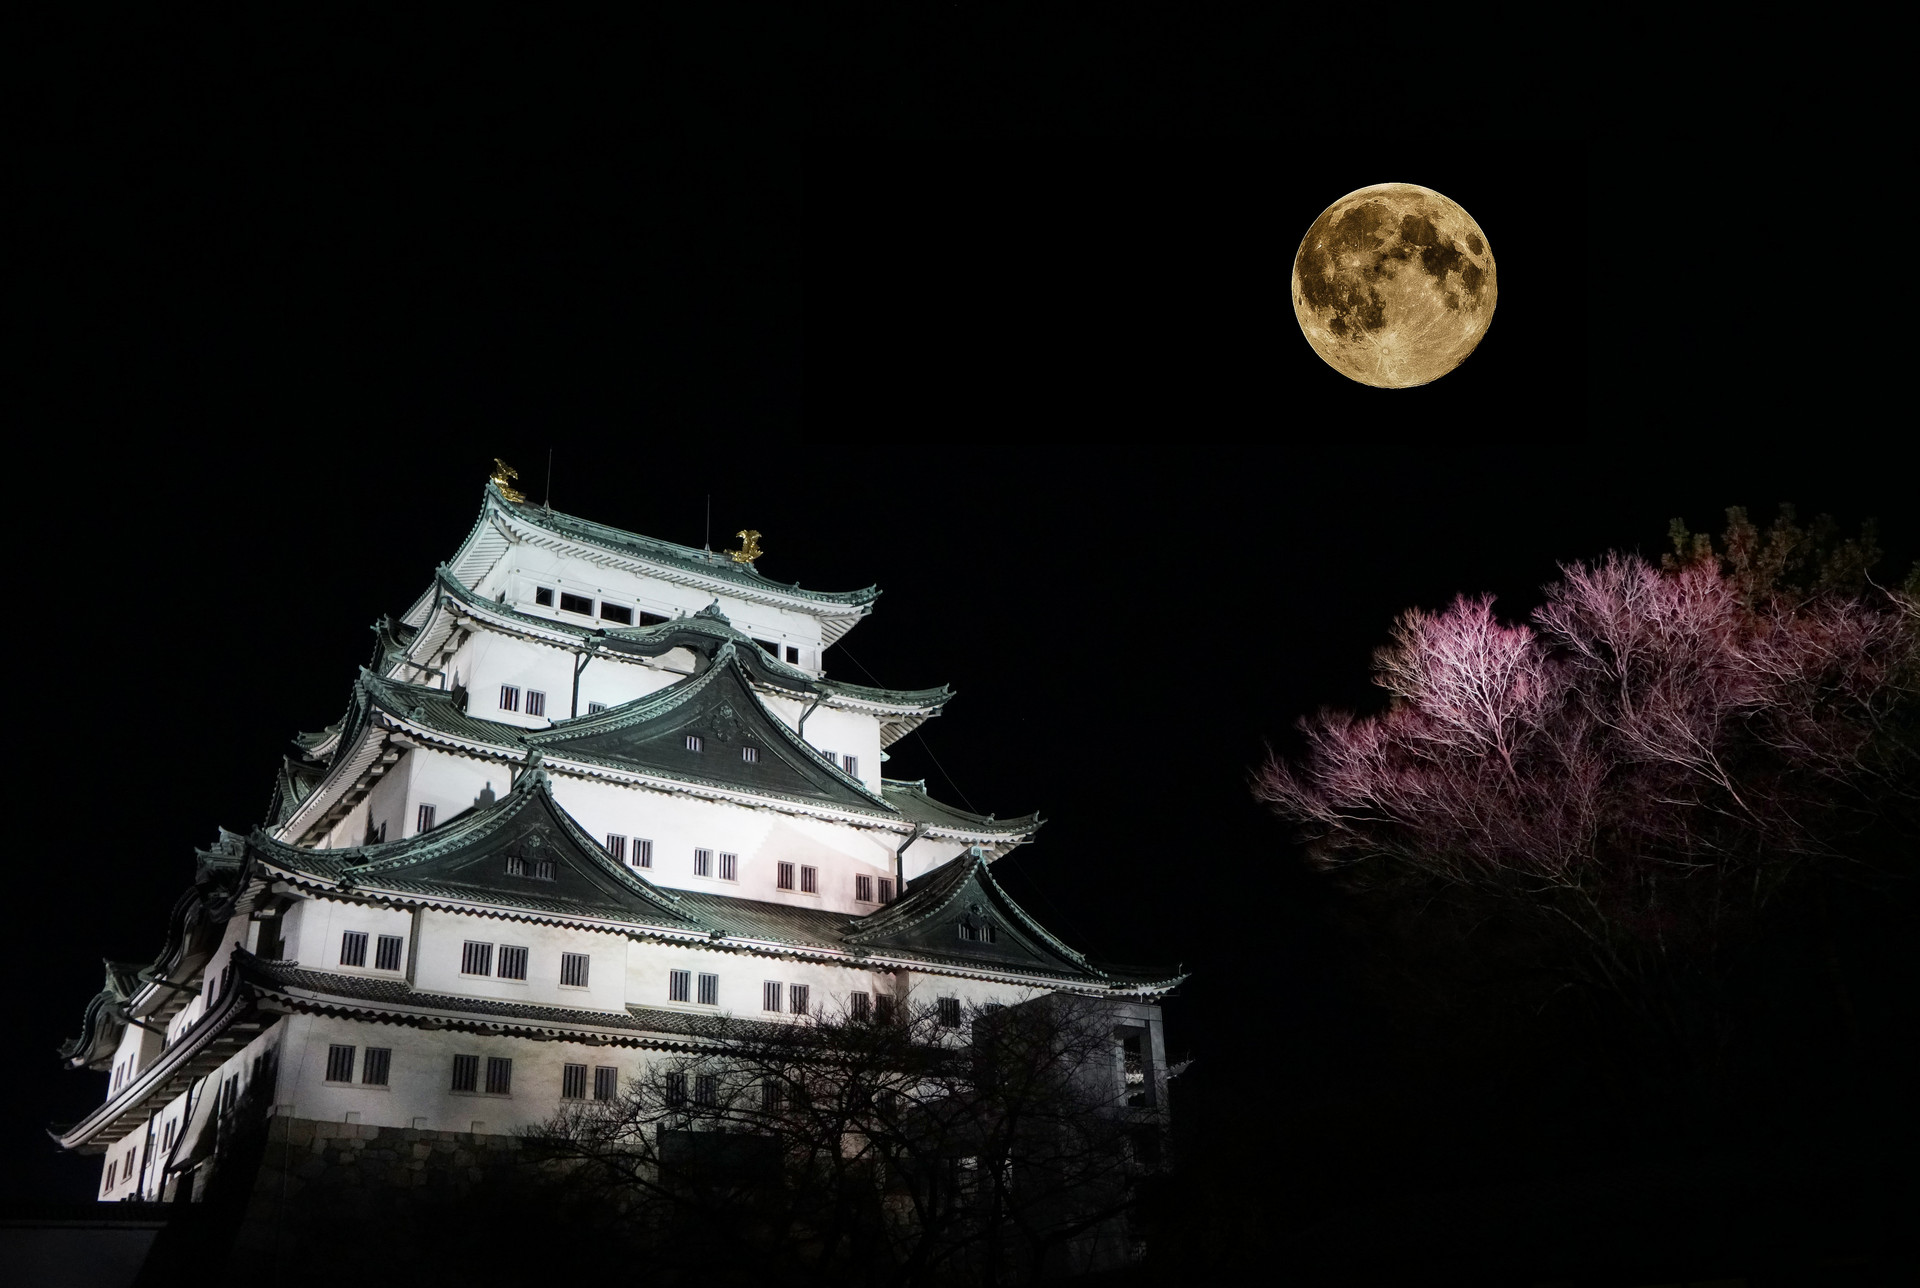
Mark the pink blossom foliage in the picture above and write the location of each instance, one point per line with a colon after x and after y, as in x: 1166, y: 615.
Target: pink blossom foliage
x: 1648, y: 754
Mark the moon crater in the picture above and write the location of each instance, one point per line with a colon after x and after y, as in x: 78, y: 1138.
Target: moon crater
x: 1394, y: 285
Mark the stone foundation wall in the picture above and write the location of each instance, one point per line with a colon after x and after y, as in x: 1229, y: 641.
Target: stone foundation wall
x: 303, y: 1154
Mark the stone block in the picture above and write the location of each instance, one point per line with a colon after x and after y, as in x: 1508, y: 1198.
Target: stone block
x: 299, y: 1131
x: 421, y: 1149
x: 327, y: 1131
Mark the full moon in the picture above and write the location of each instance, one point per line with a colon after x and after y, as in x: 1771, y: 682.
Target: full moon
x: 1394, y: 285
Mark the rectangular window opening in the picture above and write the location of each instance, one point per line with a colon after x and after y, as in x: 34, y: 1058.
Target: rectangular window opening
x: 709, y: 990
x: 652, y: 619
x: 863, y: 889
x: 536, y: 703
x: 543, y: 596
x: 513, y: 962
x: 606, y: 1082
x: 783, y: 876
x: 809, y: 880
x: 423, y: 818
x: 499, y: 1076
x: 679, y: 985
x: 860, y: 1006
x: 851, y: 764
x: 771, y: 994
x: 573, y: 1082
x: 693, y: 742
x: 377, y: 1067
x: 466, y: 1073
x: 576, y: 604
x: 617, y: 847
x: 353, y: 948
x: 642, y: 852
x: 706, y: 1089
x: 797, y: 998
x: 773, y: 650
x: 729, y: 867
x: 949, y: 1012
x: 509, y: 697
x: 476, y: 959
x: 595, y: 708
x: 616, y: 613
x: 703, y: 863
x: 340, y: 1063
x: 793, y: 655
x: 883, y: 1012
x: 751, y: 755
x: 573, y: 969
x: 676, y: 1088
x: 886, y: 889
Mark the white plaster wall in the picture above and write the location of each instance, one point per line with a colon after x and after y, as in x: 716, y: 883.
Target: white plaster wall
x: 443, y: 935
x: 315, y: 927
x: 928, y: 853
x: 845, y: 733
x: 742, y: 976
x: 487, y: 661
x: 677, y: 825
x: 420, y: 1078
x: 450, y: 783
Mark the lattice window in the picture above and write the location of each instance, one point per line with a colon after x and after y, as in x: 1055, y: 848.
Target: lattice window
x: 353, y: 948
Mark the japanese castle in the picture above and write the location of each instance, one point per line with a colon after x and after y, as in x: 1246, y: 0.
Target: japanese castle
x: 594, y: 793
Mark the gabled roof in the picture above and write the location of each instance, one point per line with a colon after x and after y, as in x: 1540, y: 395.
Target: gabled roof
x: 719, y: 710
x: 928, y: 919
x: 293, y: 783
x: 703, y: 634
x: 503, y: 524
x: 497, y: 852
x: 910, y: 797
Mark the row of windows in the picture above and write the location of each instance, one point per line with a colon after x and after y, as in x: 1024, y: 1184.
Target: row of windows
x: 478, y: 959
x: 680, y: 988
x: 849, y: 763
x: 638, y: 851
x: 510, y: 700
x: 386, y: 953
x: 121, y: 1169
x: 583, y: 605
x: 374, y: 1070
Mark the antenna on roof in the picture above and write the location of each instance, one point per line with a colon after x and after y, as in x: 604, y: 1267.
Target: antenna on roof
x: 548, y: 504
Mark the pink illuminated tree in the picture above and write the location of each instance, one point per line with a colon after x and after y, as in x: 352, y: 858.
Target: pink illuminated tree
x: 1633, y: 774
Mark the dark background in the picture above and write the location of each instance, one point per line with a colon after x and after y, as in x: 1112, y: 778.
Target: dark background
x: 1015, y: 346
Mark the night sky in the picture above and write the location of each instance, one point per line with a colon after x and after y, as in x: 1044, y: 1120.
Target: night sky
x: 1046, y: 392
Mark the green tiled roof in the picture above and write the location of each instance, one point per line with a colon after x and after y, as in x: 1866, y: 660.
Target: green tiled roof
x: 706, y: 563
x: 911, y: 799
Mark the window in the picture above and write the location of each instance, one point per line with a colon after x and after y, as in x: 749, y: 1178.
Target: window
x: 886, y: 889
x: 573, y: 969
x: 642, y: 852
x: 809, y: 880
x: 466, y: 1073
x: 949, y: 1012
x: 513, y: 962
x: 543, y: 595
x: 606, y: 1082
x: 113, y: 1166
x: 860, y: 1006
x: 423, y: 820
x: 693, y: 742
x: 729, y: 867
x: 770, y: 995
x: 770, y: 1097
x: 377, y: 1065
x: 616, y: 613
x: 476, y: 959
x: 595, y: 708
x: 386, y: 953
x: 676, y: 1088
x: 793, y: 655
x: 833, y: 758
x: 576, y: 604
x: 703, y: 863
x: 851, y: 764
x: 573, y: 1082
x: 617, y: 847
x: 679, y: 985
x: 340, y: 1064
x: 751, y: 755
x: 883, y: 1008
x: 706, y: 1089
x: 499, y: 1076
x: 863, y: 889
x: 797, y: 998
x: 230, y: 1094
x: 353, y: 948
x: 783, y: 877
x: 532, y: 869
x: 1134, y: 1069
x: 977, y: 931
x: 773, y: 650
x: 536, y: 703
x: 652, y: 619
x: 509, y: 698
x: 709, y: 990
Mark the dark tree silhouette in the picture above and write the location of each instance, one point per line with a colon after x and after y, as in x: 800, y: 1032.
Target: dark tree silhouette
x: 981, y: 1145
